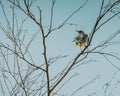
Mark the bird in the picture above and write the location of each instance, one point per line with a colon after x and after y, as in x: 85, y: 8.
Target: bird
x: 81, y: 39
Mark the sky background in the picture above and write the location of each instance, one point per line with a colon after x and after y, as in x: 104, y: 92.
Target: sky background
x: 60, y: 43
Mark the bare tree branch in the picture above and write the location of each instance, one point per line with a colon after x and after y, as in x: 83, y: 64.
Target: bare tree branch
x: 84, y: 85
x: 22, y: 76
x: 69, y: 17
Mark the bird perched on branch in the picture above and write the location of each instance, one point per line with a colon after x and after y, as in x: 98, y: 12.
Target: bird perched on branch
x: 81, y: 39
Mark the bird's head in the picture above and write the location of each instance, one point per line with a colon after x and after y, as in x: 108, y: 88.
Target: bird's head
x: 79, y: 32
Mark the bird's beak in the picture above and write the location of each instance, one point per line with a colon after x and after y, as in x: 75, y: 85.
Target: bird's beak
x: 77, y: 31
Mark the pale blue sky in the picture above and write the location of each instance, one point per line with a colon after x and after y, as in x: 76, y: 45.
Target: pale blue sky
x: 60, y: 43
